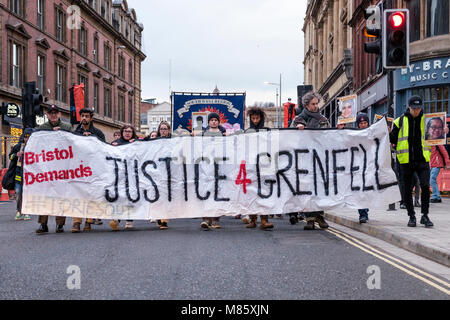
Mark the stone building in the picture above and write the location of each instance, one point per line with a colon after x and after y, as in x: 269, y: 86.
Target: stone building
x: 328, y: 57
x: 60, y: 43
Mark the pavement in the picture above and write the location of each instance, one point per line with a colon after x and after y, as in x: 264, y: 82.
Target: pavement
x: 391, y: 226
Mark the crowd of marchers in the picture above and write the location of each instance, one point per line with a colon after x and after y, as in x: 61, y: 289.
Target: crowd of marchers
x: 416, y: 165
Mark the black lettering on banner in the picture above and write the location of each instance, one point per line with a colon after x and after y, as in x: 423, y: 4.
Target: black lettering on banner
x: 377, y: 168
x: 197, y: 178
x: 258, y: 175
x: 298, y: 172
x: 336, y: 168
x: 127, y: 182
x: 353, y: 168
x: 365, y: 188
x: 168, y: 161
x: 325, y: 175
x: 185, y: 179
x: 116, y: 182
x: 149, y: 177
x: 280, y: 172
x: 217, y: 178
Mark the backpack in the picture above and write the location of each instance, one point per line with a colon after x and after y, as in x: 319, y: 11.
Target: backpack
x: 9, y: 179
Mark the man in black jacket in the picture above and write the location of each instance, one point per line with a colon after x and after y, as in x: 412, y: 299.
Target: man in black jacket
x: 408, y: 134
x: 86, y: 128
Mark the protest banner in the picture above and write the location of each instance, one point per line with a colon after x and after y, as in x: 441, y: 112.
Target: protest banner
x: 271, y: 172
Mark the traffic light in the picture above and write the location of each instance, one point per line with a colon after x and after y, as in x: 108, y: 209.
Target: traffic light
x: 31, y: 104
x: 396, y: 38
x: 373, y: 30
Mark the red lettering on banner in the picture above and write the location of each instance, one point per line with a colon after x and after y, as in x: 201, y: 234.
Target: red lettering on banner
x: 242, y: 177
x: 48, y: 156
x: 50, y: 176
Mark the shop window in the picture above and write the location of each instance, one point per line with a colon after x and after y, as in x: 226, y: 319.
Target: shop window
x: 437, y: 17
x: 414, y: 19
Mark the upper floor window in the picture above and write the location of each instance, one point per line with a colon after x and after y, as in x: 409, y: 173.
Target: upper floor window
x: 82, y: 41
x: 95, y: 52
x: 60, y: 30
x: 40, y: 14
x: 17, y: 7
x: 437, y: 17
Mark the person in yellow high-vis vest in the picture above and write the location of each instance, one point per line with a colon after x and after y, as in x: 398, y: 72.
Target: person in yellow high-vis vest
x: 408, y: 135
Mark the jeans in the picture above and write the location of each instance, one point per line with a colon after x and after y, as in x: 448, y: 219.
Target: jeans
x: 18, y: 191
x: 436, y: 195
x: 423, y: 173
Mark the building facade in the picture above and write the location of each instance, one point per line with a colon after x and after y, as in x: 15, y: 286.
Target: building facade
x: 328, y: 57
x: 61, y: 43
x: 156, y: 114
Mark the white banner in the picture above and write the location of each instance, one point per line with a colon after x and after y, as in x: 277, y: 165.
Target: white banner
x: 272, y: 172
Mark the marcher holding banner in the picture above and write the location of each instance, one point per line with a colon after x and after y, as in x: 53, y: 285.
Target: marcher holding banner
x: 127, y: 135
x: 408, y: 134
x: 257, y: 118
x: 54, y: 123
x: 362, y: 121
x: 164, y: 131
x: 439, y: 160
x: 312, y: 118
x: 87, y: 128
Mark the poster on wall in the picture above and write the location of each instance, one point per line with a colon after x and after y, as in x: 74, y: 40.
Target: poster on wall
x: 229, y: 106
x: 347, y: 107
x: 435, y: 129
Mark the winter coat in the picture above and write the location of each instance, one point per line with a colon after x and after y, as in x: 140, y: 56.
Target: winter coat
x: 63, y: 125
x: 311, y: 120
x: 439, y: 157
x: 93, y: 130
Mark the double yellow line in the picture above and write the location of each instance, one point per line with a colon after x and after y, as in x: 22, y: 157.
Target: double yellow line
x: 431, y: 280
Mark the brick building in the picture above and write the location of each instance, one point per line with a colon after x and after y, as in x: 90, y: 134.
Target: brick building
x: 48, y: 42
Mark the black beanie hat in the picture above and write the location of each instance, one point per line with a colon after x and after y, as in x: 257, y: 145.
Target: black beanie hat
x: 213, y: 115
x: 362, y: 117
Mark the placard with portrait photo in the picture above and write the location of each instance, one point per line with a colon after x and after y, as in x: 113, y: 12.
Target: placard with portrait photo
x: 435, y: 129
x: 347, y: 106
x: 378, y: 117
x: 199, y: 121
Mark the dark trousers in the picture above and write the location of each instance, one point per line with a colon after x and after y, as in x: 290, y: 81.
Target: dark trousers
x: 423, y: 173
x: 401, y: 183
x: 59, y: 220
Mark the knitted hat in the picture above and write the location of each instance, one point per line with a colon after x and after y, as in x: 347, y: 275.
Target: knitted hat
x: 213, y: 115
x: 362, y: 117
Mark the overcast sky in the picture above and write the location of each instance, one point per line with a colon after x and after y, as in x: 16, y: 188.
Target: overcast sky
x: 234, y: 44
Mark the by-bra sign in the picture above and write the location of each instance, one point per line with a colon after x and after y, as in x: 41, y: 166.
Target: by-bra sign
x: 423, y: 73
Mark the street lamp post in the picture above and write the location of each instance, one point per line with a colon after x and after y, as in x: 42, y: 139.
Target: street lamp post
x: 278, y: 111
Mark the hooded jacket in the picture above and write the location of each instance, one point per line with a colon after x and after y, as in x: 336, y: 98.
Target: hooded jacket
x: 262, y: 115
x: 93, y: 130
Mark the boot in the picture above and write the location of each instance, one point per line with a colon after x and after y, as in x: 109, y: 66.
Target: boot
x: 265, y: 225
x: 253, y: 222
x: 87, y: 227
x: 412, y: 222
x: 114, y: 225
x: 321, y: 221
x: 426, y: 221
x: 43, y: 228
x: 76, y: 227
x: 309, y: 225
x: 293, y: 219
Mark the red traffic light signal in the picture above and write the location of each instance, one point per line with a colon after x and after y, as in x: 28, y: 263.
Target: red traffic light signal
x: 397, y: 19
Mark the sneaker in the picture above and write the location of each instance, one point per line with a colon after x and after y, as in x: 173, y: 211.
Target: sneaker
x: 402, y: 206
x: 426, y: 221
x: 412, y: 222
x: 435, y: 200
x: 43, y: 228
x: 363, y: 219
x: 18, y: 216
x: 76, y: 227
x: 204, y: 225
x: 59, y: 228
x: 114, y: 225
x: 27, y: 218
x: 128, y: 225
x: 163, y: 226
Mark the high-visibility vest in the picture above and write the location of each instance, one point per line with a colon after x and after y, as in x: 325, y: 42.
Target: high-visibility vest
x: 403, y: 144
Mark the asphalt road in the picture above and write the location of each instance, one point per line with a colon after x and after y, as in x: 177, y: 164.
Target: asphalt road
x: 185, y: 262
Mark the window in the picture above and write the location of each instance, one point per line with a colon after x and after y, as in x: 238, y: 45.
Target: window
x: 144, y: 119
x: 437, y: 17
x: 161, y: 119
x: 121, y: 66
x: 154, y: 119
x: 40, y: 73
x: 60, y: 30
x: 84, y: 79
x: 40, y: 14
x: 121, y: 108
x: 17, y: 7
x: 60, y: 90
x: 130, y: 110
x: 130, y: 72
x: 435, y: 99
x: 95, y: 52
x: 95, y: 97
x: 414, y: 19
x: 82, y: 41
x: 107, y: 108
x: 16, y: 79
x: 107, y: 57
x: 168, y: 119
x: 17, y: 54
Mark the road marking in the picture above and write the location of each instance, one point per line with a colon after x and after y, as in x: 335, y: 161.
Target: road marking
x: 393, y: 258
x: 378, y: 255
